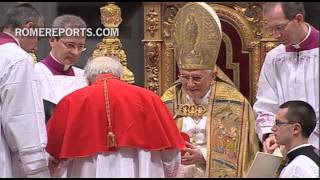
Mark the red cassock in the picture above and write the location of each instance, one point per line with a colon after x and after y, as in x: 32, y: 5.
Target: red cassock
x: 78, y: 127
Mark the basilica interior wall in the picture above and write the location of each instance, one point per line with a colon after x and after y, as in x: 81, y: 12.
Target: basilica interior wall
x: 131, y: 28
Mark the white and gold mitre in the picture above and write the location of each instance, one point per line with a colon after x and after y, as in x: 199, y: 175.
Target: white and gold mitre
x: 197, y: 35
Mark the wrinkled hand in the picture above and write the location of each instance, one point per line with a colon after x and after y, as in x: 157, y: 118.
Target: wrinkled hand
x: 193, y: 155
x: 270, y: 144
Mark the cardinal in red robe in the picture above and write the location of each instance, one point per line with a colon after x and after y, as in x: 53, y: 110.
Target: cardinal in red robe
x: 113, y: 118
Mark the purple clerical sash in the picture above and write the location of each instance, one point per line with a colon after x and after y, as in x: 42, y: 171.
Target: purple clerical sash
x: 311, y: 42
x: 5, y: 38
x: 57, y: 68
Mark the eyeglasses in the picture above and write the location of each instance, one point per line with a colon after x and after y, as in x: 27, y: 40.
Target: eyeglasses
x: 69, y: 45
x: 278, y: 122
x: 194, y: 79
x: 279, y: 28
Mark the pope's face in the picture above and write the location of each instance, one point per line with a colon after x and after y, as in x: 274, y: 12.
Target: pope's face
x: 196, y: 83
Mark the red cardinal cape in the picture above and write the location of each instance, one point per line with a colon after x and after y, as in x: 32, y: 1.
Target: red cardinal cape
x: 78, y: 127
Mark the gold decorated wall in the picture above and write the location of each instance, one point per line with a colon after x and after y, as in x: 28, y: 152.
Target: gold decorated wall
x: 145, y: 35
x: 147, y: 43
x: 244, y: 45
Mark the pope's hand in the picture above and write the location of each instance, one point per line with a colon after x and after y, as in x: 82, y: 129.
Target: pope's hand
x: 193, y: 155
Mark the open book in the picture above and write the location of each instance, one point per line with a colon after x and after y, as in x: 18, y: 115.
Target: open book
x: 265, y: 165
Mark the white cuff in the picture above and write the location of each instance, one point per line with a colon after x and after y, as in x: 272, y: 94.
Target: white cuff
x: 262, y: 131
x: 204, y: 153
x: 35, y: 163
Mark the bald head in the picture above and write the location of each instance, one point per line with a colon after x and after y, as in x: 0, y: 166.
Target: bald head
x: 102, y: 65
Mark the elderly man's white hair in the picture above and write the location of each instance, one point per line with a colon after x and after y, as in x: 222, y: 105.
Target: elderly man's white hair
x: 102, y: 65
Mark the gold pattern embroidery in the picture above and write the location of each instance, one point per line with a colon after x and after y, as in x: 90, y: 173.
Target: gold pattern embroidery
x: 192, y: 110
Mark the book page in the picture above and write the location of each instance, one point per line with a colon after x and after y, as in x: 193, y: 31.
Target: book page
x: 265, y: 165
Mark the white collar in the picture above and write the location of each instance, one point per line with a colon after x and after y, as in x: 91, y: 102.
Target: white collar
x: 204, y: 99
x: 66, y: 67
x: 13, y: 38
x: 297, y: 46
x: 297, y: 147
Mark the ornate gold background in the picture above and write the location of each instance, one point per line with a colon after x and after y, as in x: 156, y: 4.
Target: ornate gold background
x: 160, y: 66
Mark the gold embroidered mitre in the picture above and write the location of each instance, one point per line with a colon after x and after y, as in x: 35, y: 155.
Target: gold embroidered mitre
x: 197, y: 36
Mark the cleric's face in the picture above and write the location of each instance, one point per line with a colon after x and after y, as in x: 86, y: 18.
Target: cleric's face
x: 67, y: 49
x: 30, y: 43
x: 284, y: 30
x: 282, y: 128
x: 196, y: 83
